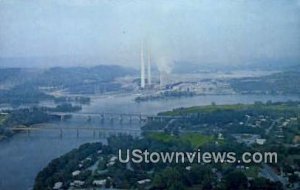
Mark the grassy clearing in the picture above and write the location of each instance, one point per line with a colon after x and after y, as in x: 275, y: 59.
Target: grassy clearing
x: 252, y: 171
x: 197, y: 140
x: 163, y: 137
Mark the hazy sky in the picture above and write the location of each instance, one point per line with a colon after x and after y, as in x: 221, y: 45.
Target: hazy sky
x: 197, y: 31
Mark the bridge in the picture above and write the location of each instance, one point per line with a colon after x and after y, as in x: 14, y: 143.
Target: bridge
x: 98, y: 130
x: 130, y: 117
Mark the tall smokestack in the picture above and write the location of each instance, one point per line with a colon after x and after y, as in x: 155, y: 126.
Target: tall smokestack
x: 149, y: 68
x: 142, y: 67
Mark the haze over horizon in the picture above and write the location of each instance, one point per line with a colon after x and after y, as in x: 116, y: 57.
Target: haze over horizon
x: 91, y: 32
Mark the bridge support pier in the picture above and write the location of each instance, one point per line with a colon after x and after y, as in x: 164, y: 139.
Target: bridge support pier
x: 61, y: 133
x: 89, y: 119
x: 130, y: 119
x: 161, y: 119
x: 121, y: 119
x: 102, y: 118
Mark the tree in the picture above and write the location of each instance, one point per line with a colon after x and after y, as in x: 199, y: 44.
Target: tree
x: 262, y: 183
x: 169, y: 178
x: 236, y: 180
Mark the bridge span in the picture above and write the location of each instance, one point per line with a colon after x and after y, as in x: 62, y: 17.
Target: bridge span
x: 100, y: 131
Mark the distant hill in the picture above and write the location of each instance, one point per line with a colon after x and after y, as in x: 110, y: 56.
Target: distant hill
x: 9, y: 73
x: 287, y: 82
x: 267, y: 65
x: 48, y: 62
x: 64, y: 75
x: 76, y: 75
x: 22, y: 85
x: 293, y: 68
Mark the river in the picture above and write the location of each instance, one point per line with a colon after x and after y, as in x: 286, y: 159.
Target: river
x: 23, y: 156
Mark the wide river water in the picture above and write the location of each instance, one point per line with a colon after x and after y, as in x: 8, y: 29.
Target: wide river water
x: 23, y: 156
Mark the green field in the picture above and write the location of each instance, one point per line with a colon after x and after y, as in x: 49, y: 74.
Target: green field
x: 195, y: 139
x: 209, y: 108
x: 234, y: 107
x: 2, y: 119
